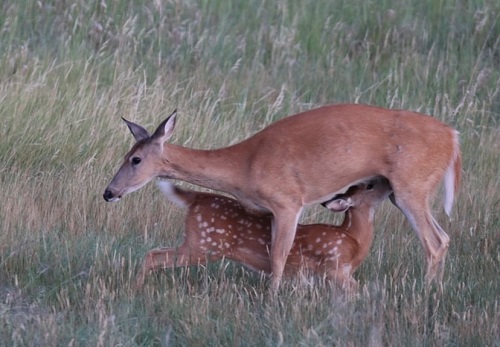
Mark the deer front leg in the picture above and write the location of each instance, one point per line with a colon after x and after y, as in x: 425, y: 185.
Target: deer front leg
x: 284, y: 227
x: 165, y: 258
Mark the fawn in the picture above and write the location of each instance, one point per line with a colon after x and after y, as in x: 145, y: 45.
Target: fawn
x: 218, y: 227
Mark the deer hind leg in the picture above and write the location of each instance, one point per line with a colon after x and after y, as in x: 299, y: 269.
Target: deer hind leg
x: 165, y: 258
x: 433, y: 238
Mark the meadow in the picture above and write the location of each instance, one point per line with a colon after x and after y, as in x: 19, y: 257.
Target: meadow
x: 70, y: 69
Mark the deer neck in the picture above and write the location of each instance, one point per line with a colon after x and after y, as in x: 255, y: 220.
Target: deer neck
x: 218, y: 169
x: 358, y: 223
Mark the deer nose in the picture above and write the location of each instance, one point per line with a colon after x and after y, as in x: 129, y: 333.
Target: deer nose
x: 108, y: 195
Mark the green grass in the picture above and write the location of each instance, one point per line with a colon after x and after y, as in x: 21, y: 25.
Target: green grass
x: 70, y: 69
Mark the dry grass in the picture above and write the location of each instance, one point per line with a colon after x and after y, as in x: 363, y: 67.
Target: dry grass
x: 69, y: 70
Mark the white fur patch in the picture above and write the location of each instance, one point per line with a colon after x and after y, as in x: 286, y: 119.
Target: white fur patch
x: 168, y: 189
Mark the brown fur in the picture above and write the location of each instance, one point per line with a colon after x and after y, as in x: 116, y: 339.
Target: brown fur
x: 308, y: 158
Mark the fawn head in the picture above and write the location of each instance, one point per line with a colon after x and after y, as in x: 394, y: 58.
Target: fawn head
x: 369, y: 193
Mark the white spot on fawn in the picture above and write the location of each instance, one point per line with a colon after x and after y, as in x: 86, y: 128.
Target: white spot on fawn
x: 333, y: 250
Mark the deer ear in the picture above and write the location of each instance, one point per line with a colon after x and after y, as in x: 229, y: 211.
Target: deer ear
x: 166, y: 128
x: 139, y: 132
x: 339, y: 205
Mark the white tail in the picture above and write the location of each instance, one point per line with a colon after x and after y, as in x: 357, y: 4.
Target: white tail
x: 309, y: 158
x: 218, y: 227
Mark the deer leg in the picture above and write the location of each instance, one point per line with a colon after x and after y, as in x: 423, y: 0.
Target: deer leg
x: 283, y: 233
x: 433, y: 238
x: 445, y: 239
x: 341, y: 276
x: 165, y: 258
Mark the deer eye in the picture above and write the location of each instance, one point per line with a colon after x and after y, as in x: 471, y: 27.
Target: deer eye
x: 369, y: 186
x: 135, y: 161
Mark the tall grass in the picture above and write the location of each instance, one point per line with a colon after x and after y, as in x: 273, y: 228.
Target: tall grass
x: 70, y: 69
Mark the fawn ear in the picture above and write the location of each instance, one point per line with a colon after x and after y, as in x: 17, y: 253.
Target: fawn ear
x: 166, y: 128
x: 137, y: 131
x: 339, y: 205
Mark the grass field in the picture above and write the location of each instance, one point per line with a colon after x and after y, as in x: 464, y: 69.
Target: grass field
x: 70, y: 69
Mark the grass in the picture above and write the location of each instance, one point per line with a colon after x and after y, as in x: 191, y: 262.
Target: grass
x: 70, y: 69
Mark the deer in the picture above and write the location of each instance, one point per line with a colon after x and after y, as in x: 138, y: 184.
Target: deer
x: 309, y: 158
x: 217, y: 227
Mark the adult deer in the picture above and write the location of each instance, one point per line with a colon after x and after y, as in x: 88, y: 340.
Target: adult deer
x: 309, y: 158
x: 218, y: 227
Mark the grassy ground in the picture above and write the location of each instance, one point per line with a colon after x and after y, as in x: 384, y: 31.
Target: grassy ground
x: 70, y: 69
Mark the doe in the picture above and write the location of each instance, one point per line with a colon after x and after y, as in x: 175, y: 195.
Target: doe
x: 309, y: 158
